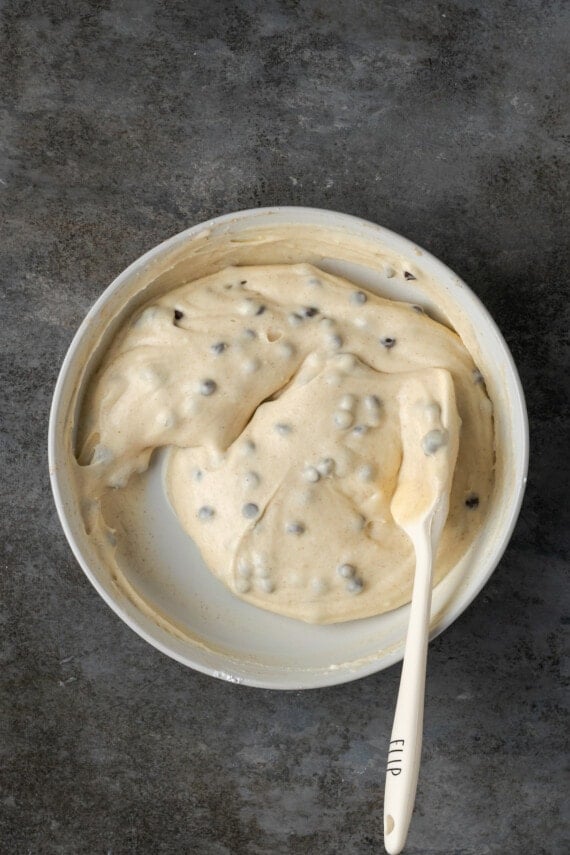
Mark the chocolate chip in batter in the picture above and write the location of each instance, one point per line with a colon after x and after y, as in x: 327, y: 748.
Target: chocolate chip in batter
x: 359, y: 522
x: 408, y: 275
x: 244, y: 568
x: 250, y: 307
x: 250, y: 366
x: 372, y: 402
x: 472, y: 501
x: 283, y: 429
x: 360, y: 430
x: 250, y: 510
x: 325, y: 466
x: 346, y: 362
x: 309, y: 311
x: 366, y: 472
x: 286, y: 349
x: 343, y: 419
x: 347, y: 402
x: 354, y: 586
x: 433, y: 441
x: 178, y: 315
x: 295, y: 528
x: 388, y: 342
x: 261, y: 310
x: 251, y: 480
x: 262, y: 571
x: 358, y: 298
x: 319, y: 586
x: 311, y: 474
x: 208, y: 387
x: 346, y: 571
x: 334, y: 341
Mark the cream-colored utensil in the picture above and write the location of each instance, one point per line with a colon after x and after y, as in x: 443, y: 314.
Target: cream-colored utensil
x: 430, y: 437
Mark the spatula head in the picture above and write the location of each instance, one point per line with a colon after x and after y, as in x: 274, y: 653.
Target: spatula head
x: 429, y: 425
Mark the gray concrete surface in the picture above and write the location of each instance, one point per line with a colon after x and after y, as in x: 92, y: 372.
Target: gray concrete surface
x: 121, y: 124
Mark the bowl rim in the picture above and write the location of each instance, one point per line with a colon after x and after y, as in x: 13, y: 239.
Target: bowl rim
x: 323, y: 677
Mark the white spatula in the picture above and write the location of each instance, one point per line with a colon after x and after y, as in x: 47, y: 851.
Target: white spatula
x: 430, y: 428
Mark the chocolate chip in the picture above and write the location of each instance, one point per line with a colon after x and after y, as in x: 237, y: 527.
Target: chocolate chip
x: 311, y: 474
x: 472, y: 501
x: 388, y: 342
x: 347, y: 571
x: 261, y: 310
x: 250, y: 510
x: 354, y: 586
x: 433, y: 441
x: 208, y: 387
x: 310, y: 311
x: 358, y: 298
x: 343, y: 419
x: 334, y: 341
x: 326, y: 466
x: 408, y: 275
x: 178, y: 315
x: 243, y: 282
x: 372, y: 402
x: 295, y: 528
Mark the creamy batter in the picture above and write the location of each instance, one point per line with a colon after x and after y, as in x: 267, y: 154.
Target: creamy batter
x: 279, y: 390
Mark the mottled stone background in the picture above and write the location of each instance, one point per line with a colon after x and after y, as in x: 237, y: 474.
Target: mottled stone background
x: 123, y: 123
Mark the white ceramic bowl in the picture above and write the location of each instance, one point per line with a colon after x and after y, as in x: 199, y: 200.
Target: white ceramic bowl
x: 228, y: 638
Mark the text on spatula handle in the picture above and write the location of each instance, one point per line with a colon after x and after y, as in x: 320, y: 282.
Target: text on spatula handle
x: 394, y: 765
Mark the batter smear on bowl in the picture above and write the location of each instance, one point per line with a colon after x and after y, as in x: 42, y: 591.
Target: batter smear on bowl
x: 277, y: 390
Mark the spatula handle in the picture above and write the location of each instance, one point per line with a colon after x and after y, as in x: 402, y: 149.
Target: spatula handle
x: 406, y: 741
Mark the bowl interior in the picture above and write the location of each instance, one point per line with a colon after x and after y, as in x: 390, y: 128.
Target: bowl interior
x: 217, y: 633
